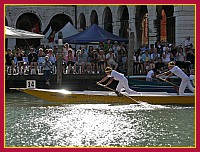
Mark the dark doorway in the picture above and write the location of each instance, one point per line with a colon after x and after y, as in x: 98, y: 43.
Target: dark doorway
x: 29, y: 22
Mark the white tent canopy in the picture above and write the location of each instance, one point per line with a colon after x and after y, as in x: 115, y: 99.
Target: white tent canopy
x: 45, y: 40
x: 14, y: 33
x: 67, y: 30
x: 48, y: 33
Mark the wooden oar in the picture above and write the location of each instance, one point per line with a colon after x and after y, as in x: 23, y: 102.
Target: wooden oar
x: 175, y: 86
x: 118, y: 92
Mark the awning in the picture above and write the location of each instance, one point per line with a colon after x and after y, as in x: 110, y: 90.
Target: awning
x: 93, y: 34
x: 14, y: 33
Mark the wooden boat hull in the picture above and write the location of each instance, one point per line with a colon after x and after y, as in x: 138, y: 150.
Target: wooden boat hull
x: 106, y: 97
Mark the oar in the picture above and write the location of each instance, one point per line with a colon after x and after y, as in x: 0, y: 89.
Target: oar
x: 175, y: 86
x: 118, y: 92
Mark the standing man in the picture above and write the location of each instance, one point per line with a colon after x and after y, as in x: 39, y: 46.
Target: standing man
x: 47, y: 68
x: 179, y: 73
x: 33, y: 58
x: 123, y: 82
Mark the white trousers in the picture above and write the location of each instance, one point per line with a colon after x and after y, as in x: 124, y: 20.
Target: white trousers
x: 185, y: 83
x: 124, y: 84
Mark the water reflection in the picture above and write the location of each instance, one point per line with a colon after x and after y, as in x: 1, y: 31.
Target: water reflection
x: 34, y: 122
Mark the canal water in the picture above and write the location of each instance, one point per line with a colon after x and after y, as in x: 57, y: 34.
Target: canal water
x: 30, y: 121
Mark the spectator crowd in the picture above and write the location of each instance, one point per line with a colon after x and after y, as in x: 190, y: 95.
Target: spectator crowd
x: 94, y: 58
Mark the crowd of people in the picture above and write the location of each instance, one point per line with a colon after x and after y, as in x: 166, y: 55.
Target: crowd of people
x: 84, y: 60
x: 158, y: 56
x: 94, y: 58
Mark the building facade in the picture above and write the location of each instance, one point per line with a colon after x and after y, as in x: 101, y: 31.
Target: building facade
x: 149, y: 23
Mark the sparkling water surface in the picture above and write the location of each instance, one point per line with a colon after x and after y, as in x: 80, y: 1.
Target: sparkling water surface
x: 30, y: 121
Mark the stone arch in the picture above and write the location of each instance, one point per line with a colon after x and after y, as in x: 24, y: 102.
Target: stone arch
x: 82, y: 21
x: 124, y: 21
x: 141, y: 25
x: 57, y: 22
x: 27, y: 11
x: 107, y: 20
x: 29, y: 22
x: 166, y: 23
x: 94, y: 17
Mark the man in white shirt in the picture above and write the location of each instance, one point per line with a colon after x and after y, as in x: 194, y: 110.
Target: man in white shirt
x: 114, y: 75
x: 151, y: 74
x: 179, y: 73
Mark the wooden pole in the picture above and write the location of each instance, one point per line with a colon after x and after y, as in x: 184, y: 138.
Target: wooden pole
x: 59, y: 61
x: 130, y: 53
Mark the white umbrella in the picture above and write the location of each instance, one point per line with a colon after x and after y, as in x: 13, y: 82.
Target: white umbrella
x: 14, y: 33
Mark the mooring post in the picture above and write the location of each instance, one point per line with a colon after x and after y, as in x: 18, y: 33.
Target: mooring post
x: 130, y: 53
x: 59, y: 60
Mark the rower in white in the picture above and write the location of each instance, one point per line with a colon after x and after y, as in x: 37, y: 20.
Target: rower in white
x: 179, y: 73
x: 114, y: 75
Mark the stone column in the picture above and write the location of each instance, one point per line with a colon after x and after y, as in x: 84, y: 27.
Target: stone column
x: 132, y: 45
x: 152, y: 24
x: 116, y: 27
x: 11, y: 43
x: 185, y: 23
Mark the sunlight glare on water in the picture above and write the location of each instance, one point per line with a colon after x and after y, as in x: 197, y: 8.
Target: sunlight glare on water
x: 97, y: 124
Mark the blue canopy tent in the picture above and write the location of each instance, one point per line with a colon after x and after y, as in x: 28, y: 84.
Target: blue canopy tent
x: 93, y: 34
